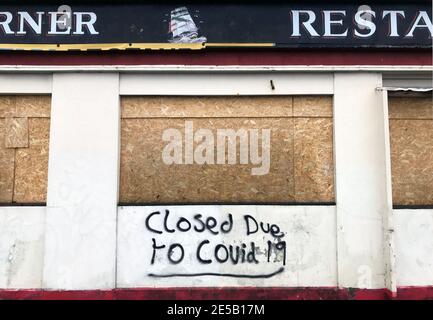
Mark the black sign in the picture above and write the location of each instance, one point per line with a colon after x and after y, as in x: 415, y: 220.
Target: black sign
x: 199, y: 26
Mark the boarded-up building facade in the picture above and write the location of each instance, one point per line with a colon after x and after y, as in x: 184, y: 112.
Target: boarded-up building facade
x: 294, y: 164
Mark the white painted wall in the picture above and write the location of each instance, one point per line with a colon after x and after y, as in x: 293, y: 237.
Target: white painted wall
x: 31, y: 83
x: 309, y: 233
x: 414, y: 247
x: 226, y: 84
x: 361, y: 179
x: 80, y: 246
x: 21, y: 247
x: 71, y: 244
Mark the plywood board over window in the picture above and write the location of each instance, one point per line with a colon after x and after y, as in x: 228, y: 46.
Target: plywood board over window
x: 300, y: 167
x: 411, y: 133
x: 24, y: 139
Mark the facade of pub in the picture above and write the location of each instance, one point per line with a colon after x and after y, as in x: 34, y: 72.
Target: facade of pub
x: 232, y: 150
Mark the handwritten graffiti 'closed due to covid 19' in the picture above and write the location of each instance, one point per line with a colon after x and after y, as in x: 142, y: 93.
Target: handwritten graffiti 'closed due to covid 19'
x: 209, y: 247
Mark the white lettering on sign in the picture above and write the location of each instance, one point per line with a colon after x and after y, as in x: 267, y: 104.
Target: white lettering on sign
x: 25, y: 19
x: 7, y: 19
x: 85, y: 19
x: 422, y: 21
x: 34, y: 22
x: 57, y: 19
x: 386, y: 26
x: 306, y: 24
x: 393, y: 21
x: 332, y: 23
x: 329, y: 22
x: 366, y: 23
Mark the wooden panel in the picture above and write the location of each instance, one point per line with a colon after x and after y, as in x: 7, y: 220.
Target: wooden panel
x: 314, y: 169
x: 411, y: 132
x: 205, y: 107
x: 7, y: 106
x: 16, y: 133
x: 35, y: 106
x: 145, y: 178
x: 6, y: 167
x: 31, y: 164
x: 412, y: 161
x: 24, y: 134
x: 410, y: 108
x: 312, y: 106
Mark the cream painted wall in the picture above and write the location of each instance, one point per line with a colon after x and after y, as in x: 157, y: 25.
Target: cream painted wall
x: 80, y: 237
x: 361, y: 178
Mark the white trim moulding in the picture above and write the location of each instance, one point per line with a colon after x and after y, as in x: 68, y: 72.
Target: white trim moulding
x: 201, y: 68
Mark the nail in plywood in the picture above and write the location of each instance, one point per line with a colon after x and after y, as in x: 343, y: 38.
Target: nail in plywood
x: 16, y: 133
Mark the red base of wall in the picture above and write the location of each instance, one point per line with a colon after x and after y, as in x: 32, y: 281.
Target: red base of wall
x: 405, y: 293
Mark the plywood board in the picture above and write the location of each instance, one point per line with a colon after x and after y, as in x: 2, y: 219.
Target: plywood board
x: 410, y: 108
x: 205, y: 107
x: 36, y: 106
x: 313, y: 158
x: 7, y: 106
x: 16, y: 133
x: 145, y: 178
x: 6, y: 167
x: 32, y: 164
x: 412, y: 161
x: 33, y: 106
x: 312, y: 106
x: 24, y: 134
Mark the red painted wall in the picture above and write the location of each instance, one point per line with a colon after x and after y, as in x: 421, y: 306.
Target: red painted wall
x: 404, y: 293
x: 240, y: 57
